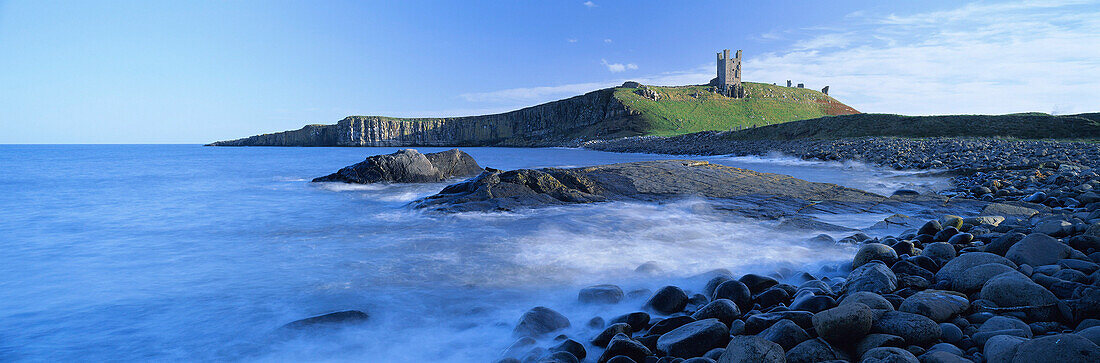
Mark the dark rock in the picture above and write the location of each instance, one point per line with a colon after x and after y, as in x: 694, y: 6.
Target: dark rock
x: 559, y: 357
x: 930, y: 228
x: 785, y: 333
x: 939, y: 251
x: 621, y: 359
x: 713, y: 283
x: 967, y: 260
x: 888, y: 355
x: 1001, y: 348
x: 600, y: 294
x: 693, y: 339
x: 540, y: 321
x: 872, y: 341
x: 667, y: 325
x: 772, y: 296
x: 1011, y: 289
x: 339, y: 317
x: 1001, y: 244
x: 974, y: 278
x: 871, y: 277
x: 668, y: 300
x: 872, y: 252
x: 936, y: 304
x: 758, y: 322
x: 909, y: 268
x: 950, y: 333
x: 735, y: 291
x: 1062, y: 348
x: 1038, y: 249
x: 844, y: 324
x: 1001, y: 323
x: 870, y: 299
x: 722, y: 309
x: 638, y: 320
x: 815, y: 350
x: 914, y: 328
x: 573, y: 347
x: 757, y: 283
x: 407, y: 166
x: 752, y: 349
x: 624, y: 346
x: 960, y: 239
x: 940, y: 356
x: 601, y: 340
x: 813, y: 303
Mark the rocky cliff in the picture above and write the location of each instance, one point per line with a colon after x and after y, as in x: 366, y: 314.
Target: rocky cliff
x: 595, y: 114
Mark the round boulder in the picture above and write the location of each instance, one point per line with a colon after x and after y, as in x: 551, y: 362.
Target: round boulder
x: 668, y: 300
x: 540, y: 321
x: 751, y: 349
x: 844, y: 324
x: 914, y: 328
x: 693, y: 339
x: 873, y: 277
x: 872, y: 252
x: 1038, y: 249
x: 888, y: 355
x: 1061, y: 348
x: 601, y: 294
x: 722, y: 309
x: 935, y: 304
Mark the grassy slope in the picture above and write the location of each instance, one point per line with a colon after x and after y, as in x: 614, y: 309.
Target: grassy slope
x: 688, y: 109
x: 1024, y: 126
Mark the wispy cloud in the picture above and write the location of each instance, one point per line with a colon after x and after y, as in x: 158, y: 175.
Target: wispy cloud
x: 608, y: 40
x: 977, y: 58
x: 571, y: 40
x: 618, y: 67
x: 590, y: 4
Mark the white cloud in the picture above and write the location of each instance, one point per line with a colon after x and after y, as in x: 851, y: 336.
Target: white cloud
x: 618, y: 67
x: 571, y: 40
x: 607, y: 40
x: 590, y: 4
x: 824, y: 41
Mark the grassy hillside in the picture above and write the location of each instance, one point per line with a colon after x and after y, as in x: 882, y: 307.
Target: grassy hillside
x: 688, y: 109
x: 1021, y: 125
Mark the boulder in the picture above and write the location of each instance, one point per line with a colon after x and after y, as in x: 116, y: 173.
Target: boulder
x: 624, y: 346
x: 1004, y: 323
x: 815, y: 350
x: 785, y: 333
x: 1038, y: 249
x: 939, y: 251
x: 693, y: 339
x: 735, y: 291
x: 870, y: 299
x: 1061, y: 348
x: 330, y: 319
x: 574, y: 348
x: 872, y: 252
x: 638, y: 320
x: 751, y: 349
x: 936, y: 304
x: 941, y: 356
x: 1092, y: 334
x: 967, y: 260
x: 540, y: 321
x: 1000, y: 245
x: 1001, y: 348
x: 600, y: 294
x: 872, y: 341
x: 758, y: 322
x: 974, y: 278
x: 844, y: 324
x: 1008, y: 210
x: 668, y: 300
x: 722, y: 309
x: 1055, y: 228
x: 757, y: 283
x: 871, y: 277
x: 914, y: 328
x: 601, y: 340
x: 1012, y: 289
x: 407, y: 166
x: 888, y: 355
x: 667, y: 325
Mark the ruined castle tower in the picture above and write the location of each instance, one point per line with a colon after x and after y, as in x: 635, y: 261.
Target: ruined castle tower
x: 729, y: 75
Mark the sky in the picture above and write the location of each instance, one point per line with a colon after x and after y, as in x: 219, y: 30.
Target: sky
x: 200, y: 71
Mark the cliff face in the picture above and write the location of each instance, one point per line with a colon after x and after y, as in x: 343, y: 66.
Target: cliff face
x: 596, y: 114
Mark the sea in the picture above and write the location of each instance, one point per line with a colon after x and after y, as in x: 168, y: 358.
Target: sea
x: 192, y: 253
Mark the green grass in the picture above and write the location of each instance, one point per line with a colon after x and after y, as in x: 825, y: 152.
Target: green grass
x: 688, y: 109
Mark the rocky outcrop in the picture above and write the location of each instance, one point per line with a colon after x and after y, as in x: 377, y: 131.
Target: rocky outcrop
x: 737, y: 190
x: 407, y: 166
x: 592, y: 115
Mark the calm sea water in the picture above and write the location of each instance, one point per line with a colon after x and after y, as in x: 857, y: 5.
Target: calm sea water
x: 183, y: 252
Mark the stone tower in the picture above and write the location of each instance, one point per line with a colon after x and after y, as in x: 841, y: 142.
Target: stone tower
x: 729, y: 75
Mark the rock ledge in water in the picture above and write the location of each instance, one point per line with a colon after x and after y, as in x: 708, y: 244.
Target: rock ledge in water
x: 407, y: 166
x: 339, y: 317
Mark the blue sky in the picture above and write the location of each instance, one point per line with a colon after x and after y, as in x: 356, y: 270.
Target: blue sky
x: 198, y: 71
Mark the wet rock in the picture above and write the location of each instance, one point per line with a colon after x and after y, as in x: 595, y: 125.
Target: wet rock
x: 813, y: 304
x: 772, y: 296
x: 624, y: 346
x: 1001, y: 348
x: 540, y: 321
x: 637, y: 320
x: 967, y: 260
x: 1092, y: 334
x: 940, y: 356
x: 951, y: 333
x: 939, y: 251
x: 1011, y: 289
x: 785, y: 333
x: 667, y: 325
x: 1061, y: 348
x: 814, y: 350
x: 752, y: 349
x: 559, y: 357
x: 407, y: 166
x: 844, y: 324
x: 601, y: 340
x: 871, y: 277
x: 975, y: 277
x: 713, y: 283
x: 872, y: 252
x: 888, y: 355
x: 735, y: 291
x: 758, y: 322
x: 1002, y: 323
x: 1055, y: 228
x: 601, y: 294
x: 1001, y: 244
x: 722, y: 309
x: 757, y: 283
x: 870, y: 299
x: 936, y: 304
x: 872, y: 341
x: 330, y: 319
x: 693, y: 339
x: 1038, y: 249
x: 621, y: 359
x: 668, y: 300
x: 914, y: 328
x: 572, y: 347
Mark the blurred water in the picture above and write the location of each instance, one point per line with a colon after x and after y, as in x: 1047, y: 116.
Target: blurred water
x: 182, y: 252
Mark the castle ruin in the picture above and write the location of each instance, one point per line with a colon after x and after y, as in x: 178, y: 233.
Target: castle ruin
x: 729, y: 75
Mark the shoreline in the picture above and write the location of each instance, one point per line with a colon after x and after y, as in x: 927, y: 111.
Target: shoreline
x: 1017, y: 282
